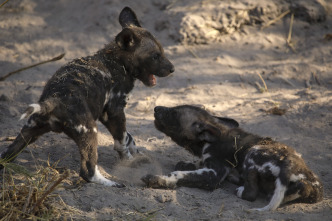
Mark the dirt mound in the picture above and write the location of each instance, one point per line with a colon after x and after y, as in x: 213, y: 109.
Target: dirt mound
x: 203, y: 22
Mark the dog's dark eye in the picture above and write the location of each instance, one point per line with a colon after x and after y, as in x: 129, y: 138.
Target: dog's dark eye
x: 196, y: 126
x: 156, y: 56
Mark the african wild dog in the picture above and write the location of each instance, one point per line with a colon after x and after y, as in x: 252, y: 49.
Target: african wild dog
x: 96, y: 88
x: 263, y: 164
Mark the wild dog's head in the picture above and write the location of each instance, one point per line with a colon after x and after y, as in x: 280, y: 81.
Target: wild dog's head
x: 191, y: 126
x: 141, y: 53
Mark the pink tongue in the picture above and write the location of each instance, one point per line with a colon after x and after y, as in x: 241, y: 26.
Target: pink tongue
x: 152, y: 80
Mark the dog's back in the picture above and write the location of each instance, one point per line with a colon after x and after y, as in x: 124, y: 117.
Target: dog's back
x: 280, y: 171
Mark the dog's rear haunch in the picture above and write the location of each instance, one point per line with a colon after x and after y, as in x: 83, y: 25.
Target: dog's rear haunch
x: 227, y: 151
x: 96, y: 88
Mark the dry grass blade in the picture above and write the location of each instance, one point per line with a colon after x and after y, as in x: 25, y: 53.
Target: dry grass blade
x: 276, y: 19
x: 18, y: 169
x: 2, y: 4
x: 64, y: 176
x: 289, y: 38
x: 316, y: 78
x: 28, y: 197
x: 27, y: 201
x: 260, y: 76
x: 31, y: 66
x: 221, y: 210
x: 192, y: 52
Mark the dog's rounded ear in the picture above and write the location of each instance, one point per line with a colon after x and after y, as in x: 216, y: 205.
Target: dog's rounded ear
x: 128, y: 18
x: 207, y: 132
x: 228, y: 122
x: 126, y: 39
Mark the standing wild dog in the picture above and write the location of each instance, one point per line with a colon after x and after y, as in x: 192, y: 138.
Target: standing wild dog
x: 96, y: 88
x: 264, y: 165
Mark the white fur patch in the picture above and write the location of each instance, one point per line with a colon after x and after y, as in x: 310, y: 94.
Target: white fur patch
x: 108, y: 95
x: 205, y: 155
x: 36, y: 108
x: 275, y: 170
x: 256, y: 147
x: 316, y: 183
x: 294, y: 178
x: 298, y: 154
x: 277, y: 198
x: 239, y: 191
x: 81, y: 128
x: 98, y: 178
x: 95, y: 130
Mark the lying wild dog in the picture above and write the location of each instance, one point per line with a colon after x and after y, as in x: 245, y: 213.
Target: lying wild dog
x: 96, y: 88
x: 264, y: 165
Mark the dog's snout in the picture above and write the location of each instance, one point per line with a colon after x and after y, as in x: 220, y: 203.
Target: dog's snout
x: 172, y: 69
x: 157, y: 109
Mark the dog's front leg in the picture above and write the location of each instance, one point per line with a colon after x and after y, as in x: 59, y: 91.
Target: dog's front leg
x: 124, y: 143
x: 205, y: 178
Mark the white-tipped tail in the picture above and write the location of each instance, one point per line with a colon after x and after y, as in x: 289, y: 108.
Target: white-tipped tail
x: 33, y: 108
x: 278, y: 196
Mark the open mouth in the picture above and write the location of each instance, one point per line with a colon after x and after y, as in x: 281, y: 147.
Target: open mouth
x: 152, y: 80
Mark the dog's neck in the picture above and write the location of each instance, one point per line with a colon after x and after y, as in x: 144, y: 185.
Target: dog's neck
x: 116, y: 59
x: 236, y: 143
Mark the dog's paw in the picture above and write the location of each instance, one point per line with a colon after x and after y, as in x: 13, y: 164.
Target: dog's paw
x: 239, y: 191
x: 119, y: 185
x: 125, y: 155
x: 184, y: 166
x: 153, y: 181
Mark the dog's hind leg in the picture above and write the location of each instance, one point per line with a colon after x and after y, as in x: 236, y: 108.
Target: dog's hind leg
x: 250, y: 189
x: 85, y: 136
x: 29, y: 134
x: 277, y: 197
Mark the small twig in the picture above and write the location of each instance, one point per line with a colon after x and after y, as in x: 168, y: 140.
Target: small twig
x: 235, y: 157
x: 316, y: 78
x: 51, y: 189
x: 154, y: 211
x: 31, y: 66
x: 4, y: 3
x: 260, y: 76
x: 221, y: 209
x: 192, y: 52
x: 276, y: 19
x: 307, y: 84
x: 287, y: 81
x: 171, y: 4
x: 289, y: 38
x: 27, y: 201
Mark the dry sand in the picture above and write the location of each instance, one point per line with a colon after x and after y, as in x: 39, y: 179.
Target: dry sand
x: 218, y: 71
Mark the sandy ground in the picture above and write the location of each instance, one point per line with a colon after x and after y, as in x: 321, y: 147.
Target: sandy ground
x: 218, y: 71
